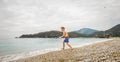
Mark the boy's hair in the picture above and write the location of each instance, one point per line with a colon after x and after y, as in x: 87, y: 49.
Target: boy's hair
x: 62, y: 27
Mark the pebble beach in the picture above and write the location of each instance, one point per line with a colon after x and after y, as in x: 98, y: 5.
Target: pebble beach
x: 107, y: 51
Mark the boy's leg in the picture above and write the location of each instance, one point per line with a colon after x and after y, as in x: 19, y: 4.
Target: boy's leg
x: 63, y: 45
x: 69, y: 45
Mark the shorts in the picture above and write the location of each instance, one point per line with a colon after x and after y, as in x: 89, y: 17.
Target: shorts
x: 66, y: 39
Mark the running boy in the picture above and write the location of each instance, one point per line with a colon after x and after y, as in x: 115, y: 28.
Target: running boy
x: 66, y: 40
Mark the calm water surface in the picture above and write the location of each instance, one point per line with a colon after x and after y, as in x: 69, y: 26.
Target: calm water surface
x: 8, y: 46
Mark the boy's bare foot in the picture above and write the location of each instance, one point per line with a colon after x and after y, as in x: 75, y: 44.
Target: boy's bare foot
x: 62, y: 48
x: 72, y: 49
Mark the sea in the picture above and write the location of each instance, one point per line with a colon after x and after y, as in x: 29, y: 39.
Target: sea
x: 17, y: 48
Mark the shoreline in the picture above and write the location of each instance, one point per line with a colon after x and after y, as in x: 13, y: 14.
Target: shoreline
x: 106, y: 51
x: 13, y: 57
x: 92, y: 43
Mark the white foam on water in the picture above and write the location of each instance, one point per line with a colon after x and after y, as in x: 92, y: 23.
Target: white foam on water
x: 25, y: 54
x: 36, y: 52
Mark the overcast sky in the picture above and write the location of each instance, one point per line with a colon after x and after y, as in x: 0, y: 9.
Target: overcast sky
x: 31, y: 16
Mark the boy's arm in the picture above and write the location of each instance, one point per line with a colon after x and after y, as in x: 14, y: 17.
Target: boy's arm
x: 63, y: 35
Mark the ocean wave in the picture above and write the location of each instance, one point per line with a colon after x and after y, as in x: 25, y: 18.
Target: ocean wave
x: 25, y: 54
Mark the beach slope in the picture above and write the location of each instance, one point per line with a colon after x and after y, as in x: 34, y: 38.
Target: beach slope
x: 108, y: 51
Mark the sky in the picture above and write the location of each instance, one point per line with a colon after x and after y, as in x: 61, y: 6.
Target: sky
x: 19, y: 17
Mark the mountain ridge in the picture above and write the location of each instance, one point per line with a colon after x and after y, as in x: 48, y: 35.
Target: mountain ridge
x: 113, y: 32
x: 86, y: 31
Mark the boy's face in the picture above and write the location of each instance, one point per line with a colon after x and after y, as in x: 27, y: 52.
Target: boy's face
x: 62, y: 29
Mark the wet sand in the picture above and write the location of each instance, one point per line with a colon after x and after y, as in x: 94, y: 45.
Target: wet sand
x: 108, y: 51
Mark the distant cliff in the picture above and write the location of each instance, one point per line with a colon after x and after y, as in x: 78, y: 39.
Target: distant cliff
x: 113, y: 32
x: 47, y: 34
x: 50, y: 34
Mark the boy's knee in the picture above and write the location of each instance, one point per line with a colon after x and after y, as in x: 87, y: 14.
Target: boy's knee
x: 67, y: 43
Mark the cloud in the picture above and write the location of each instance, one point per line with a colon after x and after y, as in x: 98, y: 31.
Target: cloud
x: 30, y: 16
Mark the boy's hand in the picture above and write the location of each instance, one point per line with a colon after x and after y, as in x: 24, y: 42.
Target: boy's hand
x: 60, y: 37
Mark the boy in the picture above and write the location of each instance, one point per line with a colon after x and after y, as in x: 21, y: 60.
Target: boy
x: 66, y: 40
